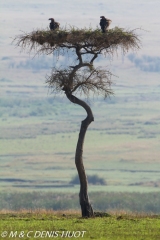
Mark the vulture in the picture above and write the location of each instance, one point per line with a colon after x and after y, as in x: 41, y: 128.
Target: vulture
x: 53, y: 25
x: 104, y: 23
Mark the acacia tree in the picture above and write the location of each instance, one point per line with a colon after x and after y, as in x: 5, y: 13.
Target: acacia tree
x: 82, y: 77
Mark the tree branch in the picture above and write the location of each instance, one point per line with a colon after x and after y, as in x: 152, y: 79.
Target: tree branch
x: 75, y: 69
x: 79, y: 54
x: 83, y: 104
x: 95, y: 56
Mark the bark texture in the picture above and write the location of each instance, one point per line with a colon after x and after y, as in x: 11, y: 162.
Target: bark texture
x: 86, y: 207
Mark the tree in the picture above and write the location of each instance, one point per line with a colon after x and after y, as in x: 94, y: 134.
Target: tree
x: 83, y: 77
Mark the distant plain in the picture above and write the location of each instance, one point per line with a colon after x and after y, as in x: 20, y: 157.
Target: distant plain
x: 39, y: 134
x: 38, y: 131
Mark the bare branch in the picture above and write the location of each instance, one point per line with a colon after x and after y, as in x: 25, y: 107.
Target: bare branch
x: 94, y: 57
x: 79, y: 54
x: 96, y: 80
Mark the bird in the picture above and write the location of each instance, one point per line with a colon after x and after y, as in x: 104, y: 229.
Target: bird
x: 53, y: 25
x: 104, y: 23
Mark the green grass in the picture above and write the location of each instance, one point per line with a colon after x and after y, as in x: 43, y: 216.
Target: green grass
x: 115, y: 227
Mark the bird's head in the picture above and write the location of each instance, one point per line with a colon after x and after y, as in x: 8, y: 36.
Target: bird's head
x: 52, y: 19
x: 102, y: 17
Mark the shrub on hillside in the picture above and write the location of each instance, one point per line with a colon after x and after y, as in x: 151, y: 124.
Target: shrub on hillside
x: 92, y: 179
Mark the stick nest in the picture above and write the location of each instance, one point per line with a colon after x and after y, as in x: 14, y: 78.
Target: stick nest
x: 45, y: 40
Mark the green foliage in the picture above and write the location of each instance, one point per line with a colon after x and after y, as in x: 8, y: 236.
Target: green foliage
x: 92, y: 179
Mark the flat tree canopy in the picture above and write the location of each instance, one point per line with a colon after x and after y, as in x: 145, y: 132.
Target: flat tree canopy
x: 84, y: 42
x: 47, y: 41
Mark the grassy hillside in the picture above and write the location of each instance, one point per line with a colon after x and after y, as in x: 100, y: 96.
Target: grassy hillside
x: 42, y: 224
x: 38, y: 138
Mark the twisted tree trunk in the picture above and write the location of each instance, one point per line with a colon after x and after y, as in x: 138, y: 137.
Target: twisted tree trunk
x: 86, y: 207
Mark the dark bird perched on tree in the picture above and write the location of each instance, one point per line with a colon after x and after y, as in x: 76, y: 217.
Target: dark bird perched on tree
x: 104, y: 23
x: 53, y: 25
